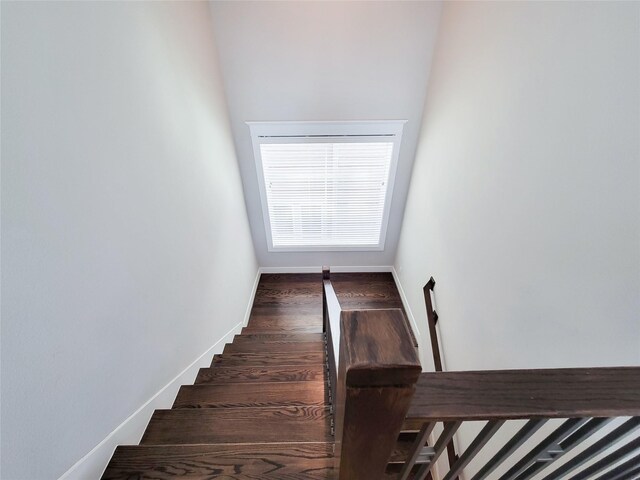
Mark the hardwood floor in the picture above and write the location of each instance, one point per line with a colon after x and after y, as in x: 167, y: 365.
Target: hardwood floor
x: 242, y: 374
x: 281, y: 461
x: 261, y: 410
x: 238, y: 425
x: 256, y: 394
x: 360, y: 291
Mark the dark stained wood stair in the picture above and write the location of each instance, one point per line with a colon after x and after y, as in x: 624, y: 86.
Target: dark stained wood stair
x: 274, y: 347
x: 238, y: 425
x: 260, y: 411
x: 256, y: 394
x: 266, y: 359
x: 244, y: 374
x: 279, y: 461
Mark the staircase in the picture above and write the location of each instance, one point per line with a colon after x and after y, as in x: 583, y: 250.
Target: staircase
x: 336, y: 350
x: 259, y: 412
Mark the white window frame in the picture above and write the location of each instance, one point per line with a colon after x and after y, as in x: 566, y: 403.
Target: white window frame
x: 351, y: 131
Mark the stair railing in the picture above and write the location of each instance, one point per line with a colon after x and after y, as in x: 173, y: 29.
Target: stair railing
x: 588, y: 399
x: 593, y: 384
x: 589, y: 417
x: 373, y: 367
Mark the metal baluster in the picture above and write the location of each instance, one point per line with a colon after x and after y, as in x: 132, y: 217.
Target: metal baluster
x: 416, y: 449
x: 557, y: 450
x: 598, y: 447
x: 606, y: 462
x: 480, y: 441
x: 529, y: 428
x: 445, y: 437
x: 543, y: 448
x: 625, y: 471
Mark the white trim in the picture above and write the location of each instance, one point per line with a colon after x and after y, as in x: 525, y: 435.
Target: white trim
x: 290, y: 270
x: 335, y: 269
x: 362, y: 269
x: 261, y: 132
x: 327, y: 127
x: 130, y: 431
x: 407, y: 307
x: 247, y: 313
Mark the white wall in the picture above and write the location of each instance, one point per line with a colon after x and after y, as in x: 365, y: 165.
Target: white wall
x: 126, y: 251
x: 315, y: 61
x: 525, y: 196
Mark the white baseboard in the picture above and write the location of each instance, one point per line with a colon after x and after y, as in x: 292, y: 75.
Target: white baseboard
x: 362, y: 269
x: 130, y: 431
x: 247, y: 313
x: 290, y: 270
x: 407, y: 307
x: 335, y: 269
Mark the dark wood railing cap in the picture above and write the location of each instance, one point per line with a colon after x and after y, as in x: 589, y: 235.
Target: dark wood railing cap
x: 509, y: 394
x: 379, y: 350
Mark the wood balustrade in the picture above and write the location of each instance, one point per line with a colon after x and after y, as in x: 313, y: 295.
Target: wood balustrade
x: 378, y: 392
x: 587, y: 398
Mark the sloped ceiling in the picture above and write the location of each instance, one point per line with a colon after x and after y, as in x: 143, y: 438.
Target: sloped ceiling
x: 323, y: 61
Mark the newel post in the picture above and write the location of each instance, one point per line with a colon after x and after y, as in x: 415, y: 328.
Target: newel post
x: 377, y: 371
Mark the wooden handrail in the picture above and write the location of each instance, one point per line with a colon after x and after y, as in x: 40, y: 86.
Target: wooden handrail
x: 587, y: 398
x: 517, y: 394
x: 432, y: 320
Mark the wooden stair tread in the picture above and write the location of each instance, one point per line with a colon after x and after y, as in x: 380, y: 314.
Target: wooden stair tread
x: 281, y: 329
x: 299, y: 279
x: 261, y: 347
x: 275, y: 325
x: 285, y: 322
x: 245, y: 374
x: 251, y: 395
x: 238, y: 425
x: 285, y: 312
x: 312, y: 461
x: 280, y: 337
x: 275, y: 358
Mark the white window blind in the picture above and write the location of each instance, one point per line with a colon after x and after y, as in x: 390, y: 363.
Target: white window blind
x: 324, y: 194
x: 326, y: 186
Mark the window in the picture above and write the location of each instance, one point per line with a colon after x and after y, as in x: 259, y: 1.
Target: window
x: 326, y: 186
